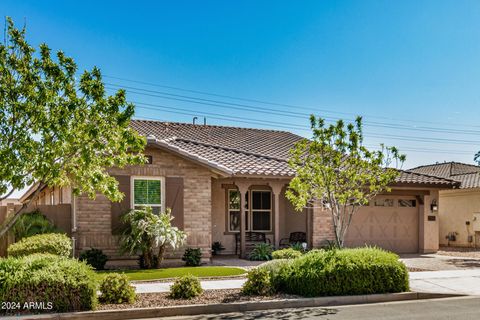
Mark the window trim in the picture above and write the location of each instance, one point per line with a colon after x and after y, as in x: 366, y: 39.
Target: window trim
x: 162, y: 190
x: 249, y: 210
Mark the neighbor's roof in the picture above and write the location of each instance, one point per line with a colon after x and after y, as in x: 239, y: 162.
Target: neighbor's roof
x: 468, y: 175
x: 242, y: 151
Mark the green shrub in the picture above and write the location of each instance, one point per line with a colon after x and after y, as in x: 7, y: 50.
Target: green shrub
x: 192, y: 257
x: 116, y: 288
x: 32, y: 223
x: 261, y: 252
x: 94, y: 257
x: 344, y: 272
x: 186, y: 287
x: 54, y: 243
x: 60, y: 283
x: 274, y: 268
x: 297, y: 246
x: 259, y: 283
x: 288, y: 253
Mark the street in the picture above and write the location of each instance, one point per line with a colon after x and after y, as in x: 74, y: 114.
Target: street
x: 439, y: 309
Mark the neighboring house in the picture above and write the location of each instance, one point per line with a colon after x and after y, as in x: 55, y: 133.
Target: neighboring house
x: 211, y: 176
x: 9, y: 201
x: 459, y: 209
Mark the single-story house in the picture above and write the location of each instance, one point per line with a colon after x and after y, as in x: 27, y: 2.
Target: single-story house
x: 212, y: 176
x: 459, y: 208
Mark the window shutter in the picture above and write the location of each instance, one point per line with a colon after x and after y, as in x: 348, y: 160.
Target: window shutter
x: 119, y: 208
x: 174, y: 199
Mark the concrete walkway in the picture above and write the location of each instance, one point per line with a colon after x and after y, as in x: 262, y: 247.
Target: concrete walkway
x: 447, y: 281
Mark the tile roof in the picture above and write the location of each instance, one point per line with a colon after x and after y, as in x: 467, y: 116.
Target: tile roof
x: 242, y: 151
x: 468, y: 175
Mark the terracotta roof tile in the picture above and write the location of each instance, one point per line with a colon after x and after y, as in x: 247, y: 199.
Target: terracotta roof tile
x: 242, y: 151
x: 467, y: 175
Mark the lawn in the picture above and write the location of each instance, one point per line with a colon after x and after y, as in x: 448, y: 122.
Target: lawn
x: 153, y: 274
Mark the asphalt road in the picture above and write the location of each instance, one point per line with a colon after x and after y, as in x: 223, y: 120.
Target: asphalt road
x: 439, y: 309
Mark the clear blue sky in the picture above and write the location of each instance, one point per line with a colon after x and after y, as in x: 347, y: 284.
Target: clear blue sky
x: 397, y: 63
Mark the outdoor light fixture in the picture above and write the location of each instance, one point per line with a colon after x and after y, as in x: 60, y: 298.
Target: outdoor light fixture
x: 434, y: 206
x: 304, y: 246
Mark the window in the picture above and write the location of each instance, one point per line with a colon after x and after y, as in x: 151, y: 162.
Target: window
x: 383, y: 202
x: 258, y: 218
x: 147, y: 192
x: 407, y: 203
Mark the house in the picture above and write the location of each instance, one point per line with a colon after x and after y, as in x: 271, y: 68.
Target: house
x: 459, y: 209
x: 211, y: 176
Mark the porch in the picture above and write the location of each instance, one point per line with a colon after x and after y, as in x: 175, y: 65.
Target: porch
x: 242, y: 207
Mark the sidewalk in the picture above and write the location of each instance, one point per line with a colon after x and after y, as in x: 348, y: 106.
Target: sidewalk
x: 447, y: 281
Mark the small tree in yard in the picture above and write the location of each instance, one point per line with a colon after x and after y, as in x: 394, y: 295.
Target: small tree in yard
x: 335, y: 170
x: 56, y: 130
x: 144, y: 231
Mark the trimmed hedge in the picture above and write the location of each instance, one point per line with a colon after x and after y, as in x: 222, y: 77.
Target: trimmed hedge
x: 116, y: 288
x: 288, y: 253
x: 53, y: 243
x: 186, y: 287
x: 54, y: 283
x: 344, y: 272
x: 259, y: 283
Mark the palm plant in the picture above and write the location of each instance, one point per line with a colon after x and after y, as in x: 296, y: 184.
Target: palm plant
x: 145, y: 231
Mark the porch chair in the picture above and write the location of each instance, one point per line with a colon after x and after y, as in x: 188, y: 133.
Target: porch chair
x: 295, y: 237
x: 251, y: 239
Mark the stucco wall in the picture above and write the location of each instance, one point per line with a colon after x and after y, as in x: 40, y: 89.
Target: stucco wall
x: 290, y: 220
x: 456, y: 207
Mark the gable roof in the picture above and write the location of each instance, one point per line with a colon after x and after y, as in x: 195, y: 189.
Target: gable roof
x: 243, y: 151
x: 468, y: 175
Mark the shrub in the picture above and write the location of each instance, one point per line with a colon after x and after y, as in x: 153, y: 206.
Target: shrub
x: 274, y: 268
x: 54, y: 243
x: 186, y: 287
x: 94, y: 257
x: 261, y: 252
x: 288, y: 253
x: 345, y: 272
x: 297, y: 246
x: 259, y: 283
x: 60, y: 283
x: 116, y: 288
x: 32, y: 223
x: 192, y: 257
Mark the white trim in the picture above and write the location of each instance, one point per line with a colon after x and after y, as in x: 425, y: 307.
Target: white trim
x: 162, y: 189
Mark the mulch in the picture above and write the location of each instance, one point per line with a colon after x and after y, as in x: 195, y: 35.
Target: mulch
x: 150, y: 300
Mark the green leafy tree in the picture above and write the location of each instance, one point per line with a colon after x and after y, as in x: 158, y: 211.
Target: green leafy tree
x: 145, y: 231
x: 335, y: 170
x: 57, y: 130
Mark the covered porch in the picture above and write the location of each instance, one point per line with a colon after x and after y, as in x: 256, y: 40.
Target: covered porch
x: 246, y: 211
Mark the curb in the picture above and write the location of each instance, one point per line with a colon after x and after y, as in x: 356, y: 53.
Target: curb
x: 190, y: 310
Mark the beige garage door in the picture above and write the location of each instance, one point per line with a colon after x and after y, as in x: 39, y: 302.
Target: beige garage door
x: 391, y: 224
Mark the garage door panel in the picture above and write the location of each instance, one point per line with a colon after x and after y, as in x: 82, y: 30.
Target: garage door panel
x: 391, y: 228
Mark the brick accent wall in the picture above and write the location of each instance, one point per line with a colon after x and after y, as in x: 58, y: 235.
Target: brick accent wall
x: 322, y: 227
x: 94, y: 216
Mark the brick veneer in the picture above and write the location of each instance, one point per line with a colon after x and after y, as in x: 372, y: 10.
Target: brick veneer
x: 94, y: 216
x: 322, y: 227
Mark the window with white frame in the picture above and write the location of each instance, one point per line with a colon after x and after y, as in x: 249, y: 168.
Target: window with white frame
x: 258, y: 217
x: 148, y: 192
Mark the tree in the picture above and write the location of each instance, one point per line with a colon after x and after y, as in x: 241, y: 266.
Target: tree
x: 56, y: 130
x: 144, y: 231
x: 335, y: 170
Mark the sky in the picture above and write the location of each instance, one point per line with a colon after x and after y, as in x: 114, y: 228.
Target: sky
x: 410, y: 68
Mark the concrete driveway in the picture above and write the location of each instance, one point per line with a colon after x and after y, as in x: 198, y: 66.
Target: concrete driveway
x: 454, y: 275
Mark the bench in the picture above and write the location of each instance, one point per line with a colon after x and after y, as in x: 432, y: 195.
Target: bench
x: 251, y: 240
x: 295, y: 237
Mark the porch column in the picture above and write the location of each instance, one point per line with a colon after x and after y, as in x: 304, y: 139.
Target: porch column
x: 277, y: 189
x: 243, y: 189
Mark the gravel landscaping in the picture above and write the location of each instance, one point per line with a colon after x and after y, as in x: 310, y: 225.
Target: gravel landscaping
x: 459, y: 252
x: 149, y: 300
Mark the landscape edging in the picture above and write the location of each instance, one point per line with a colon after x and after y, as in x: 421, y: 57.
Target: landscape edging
x: 197, y: 309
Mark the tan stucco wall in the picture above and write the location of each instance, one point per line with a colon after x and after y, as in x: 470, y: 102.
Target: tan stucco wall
x: 290, y: 220
x: 456, y: 208
x: 93, y: 217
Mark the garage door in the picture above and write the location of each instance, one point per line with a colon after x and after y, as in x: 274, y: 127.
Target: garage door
x: 391, y: 224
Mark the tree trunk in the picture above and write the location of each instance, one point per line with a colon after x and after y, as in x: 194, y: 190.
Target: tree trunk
x: 7, y: 225
x: 161, y: 252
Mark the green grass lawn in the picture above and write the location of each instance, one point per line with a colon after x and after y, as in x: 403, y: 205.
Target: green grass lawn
x: 153, y: 274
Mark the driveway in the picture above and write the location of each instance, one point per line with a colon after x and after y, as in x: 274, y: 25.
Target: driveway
x: 435, y: 262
